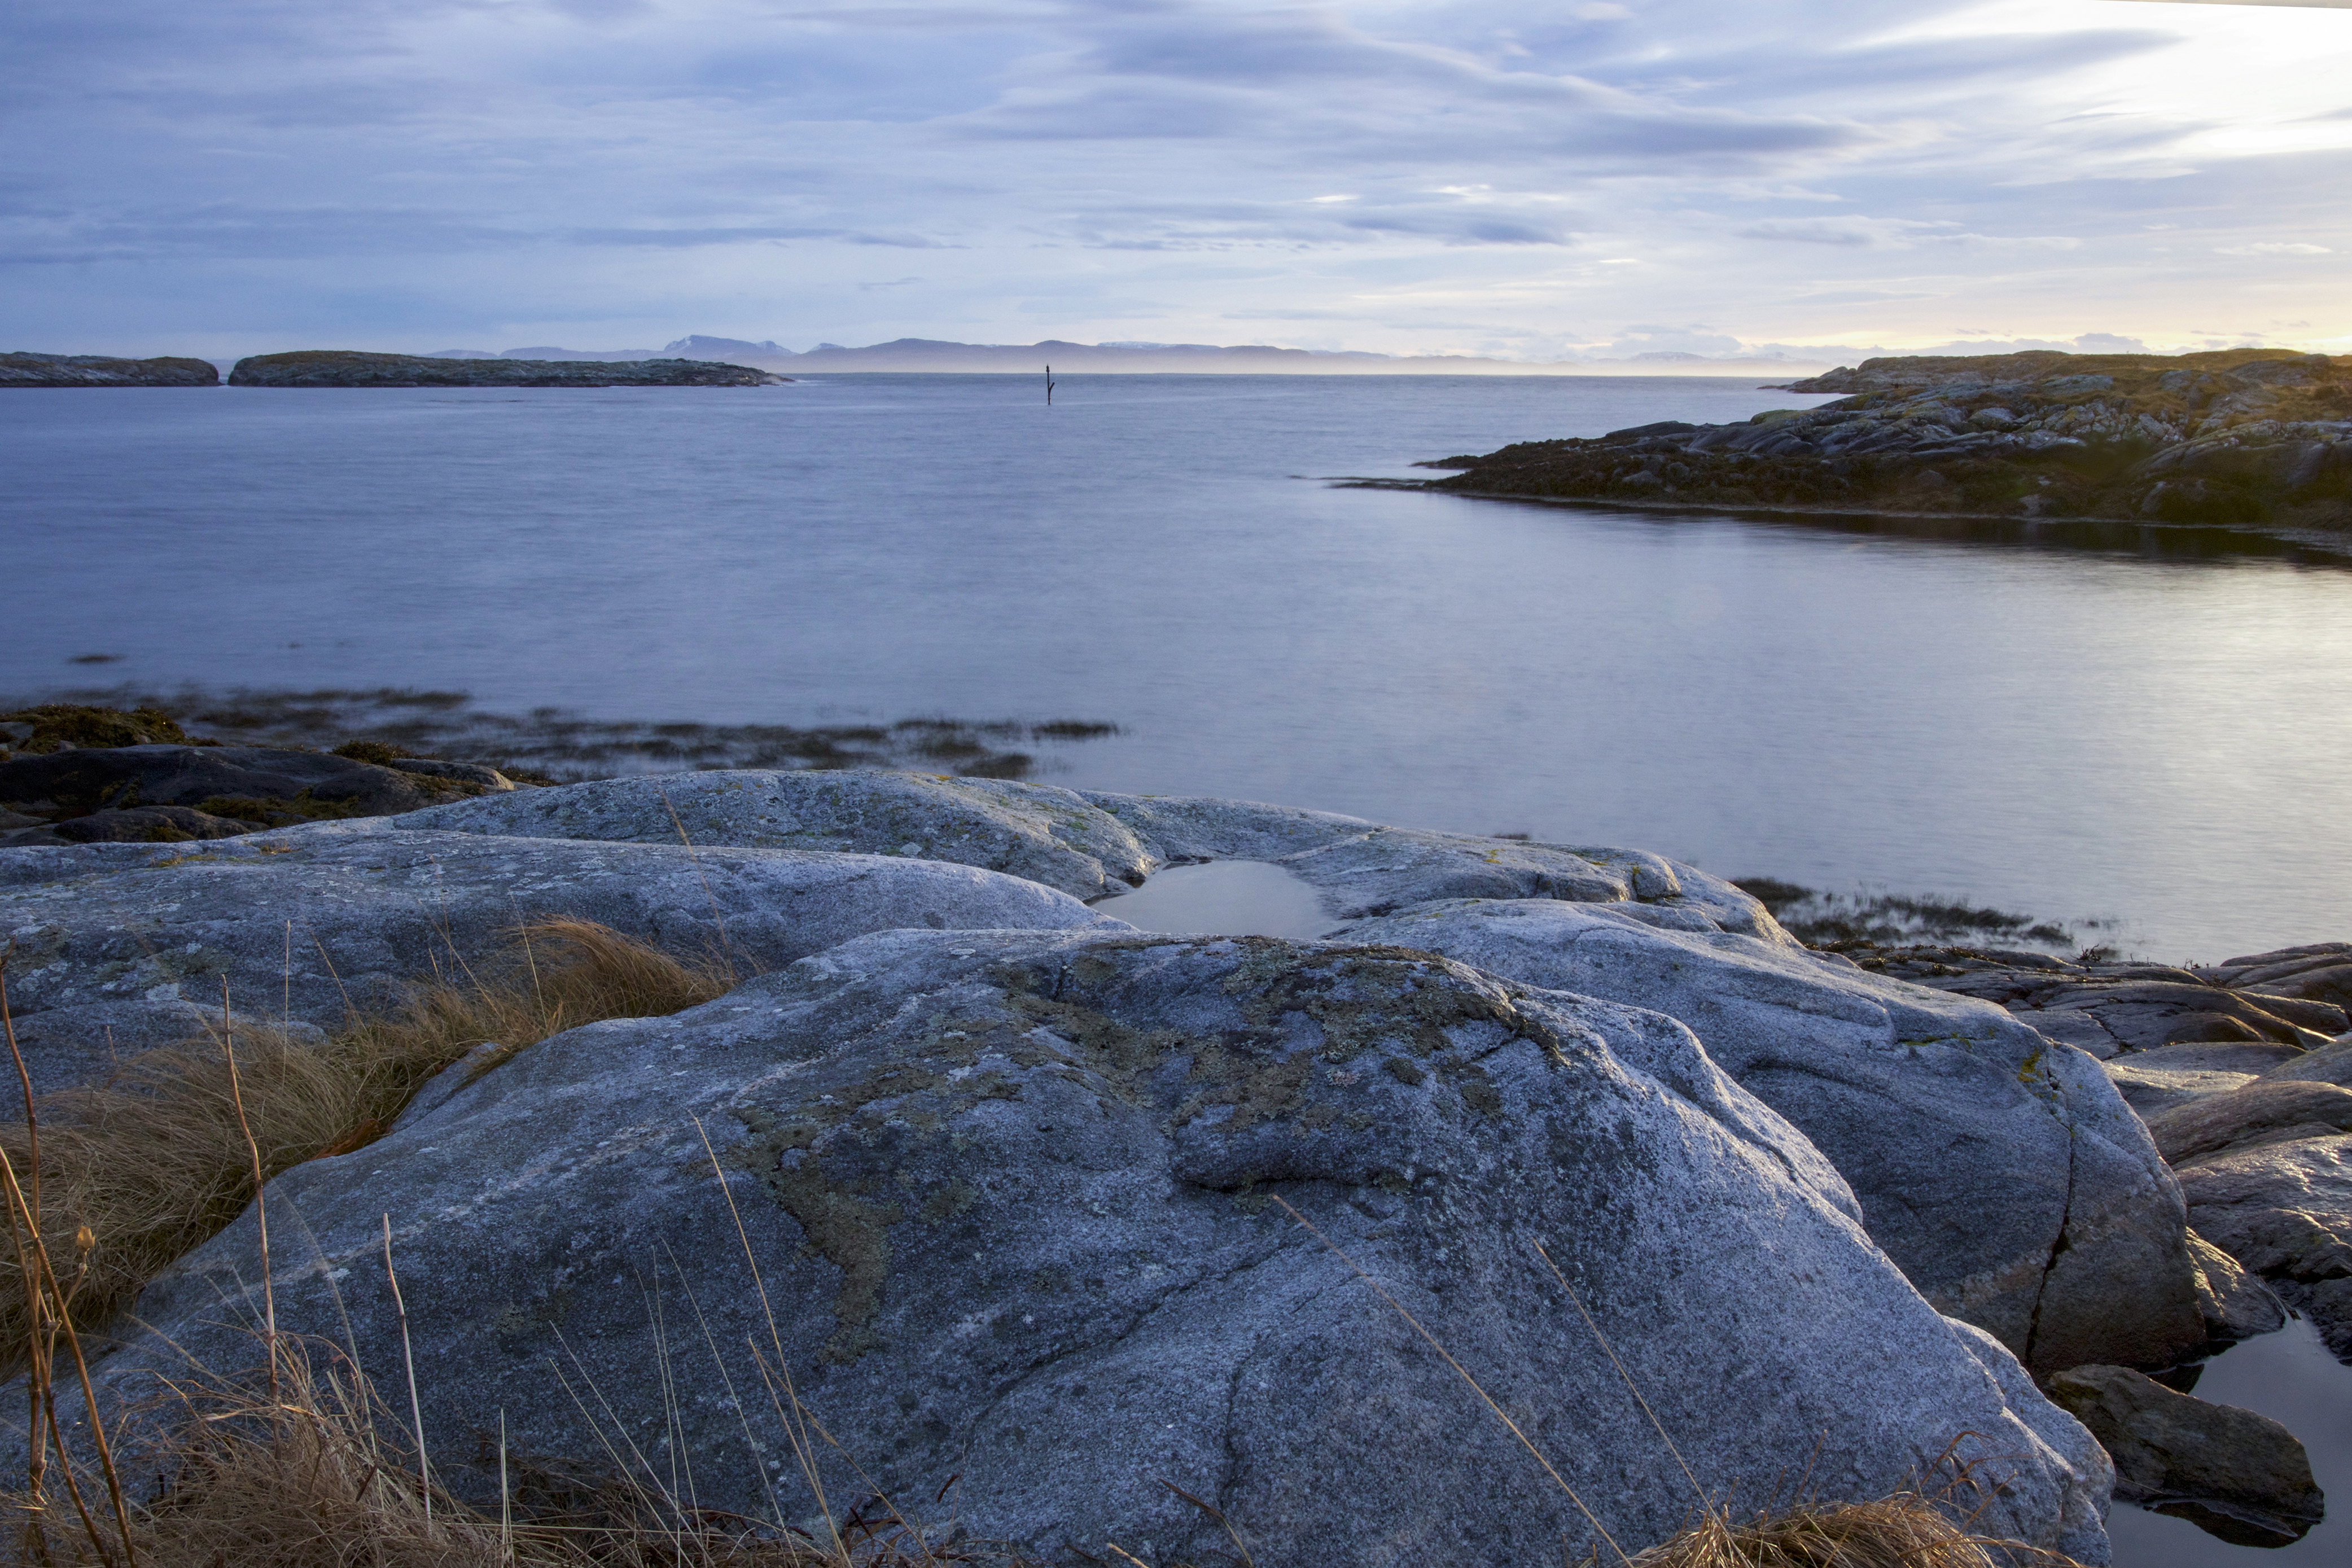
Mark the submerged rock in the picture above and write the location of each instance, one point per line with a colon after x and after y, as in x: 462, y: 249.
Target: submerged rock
x: 2240, y: 1476
x: 336, y: 367
x: 2241, y: 436
x: 1013, y: 1198
x: 252, y: 784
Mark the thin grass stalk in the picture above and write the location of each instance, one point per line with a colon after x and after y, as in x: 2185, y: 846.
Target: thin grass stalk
x: 260, y: 1181
x: 1697, y: 1491
x: 775, y: 1337
x: 408, y: 1356
x: 1500, y: 1413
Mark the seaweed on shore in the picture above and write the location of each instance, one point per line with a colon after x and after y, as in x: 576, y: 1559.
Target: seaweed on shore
x: 1836, y: 921
x: 559, y: 746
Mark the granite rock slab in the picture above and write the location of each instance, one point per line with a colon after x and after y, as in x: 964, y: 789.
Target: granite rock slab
x: 1019, y: 1203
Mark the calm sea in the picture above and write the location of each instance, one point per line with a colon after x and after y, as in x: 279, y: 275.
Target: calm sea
x: 2133, y: 730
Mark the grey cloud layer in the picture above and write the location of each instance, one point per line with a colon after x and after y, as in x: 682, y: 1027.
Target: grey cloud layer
x: 1413, y: 157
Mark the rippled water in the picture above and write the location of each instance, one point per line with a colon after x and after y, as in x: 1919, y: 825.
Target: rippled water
x: 2067, y: 724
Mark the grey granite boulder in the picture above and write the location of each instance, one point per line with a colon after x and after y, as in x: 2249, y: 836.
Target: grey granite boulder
x: 1047, y: 834
x: 304, y: 921
x: 2001, y: 1171
x: 2243, y: 1476
x: 1018, y: 1201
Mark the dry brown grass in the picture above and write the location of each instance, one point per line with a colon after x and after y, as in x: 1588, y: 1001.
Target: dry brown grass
x: 1906, y: 1531
x: 321, y: 1481
x: 134, y: 1171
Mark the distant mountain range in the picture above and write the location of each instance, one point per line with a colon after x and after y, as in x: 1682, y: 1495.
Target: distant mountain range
x: 930, y: 354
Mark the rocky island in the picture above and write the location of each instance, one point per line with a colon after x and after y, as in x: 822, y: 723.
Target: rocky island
x: 24, y: 369
x: 338, y: 367
x: 2247, y: 437
x: 1077, y: 1222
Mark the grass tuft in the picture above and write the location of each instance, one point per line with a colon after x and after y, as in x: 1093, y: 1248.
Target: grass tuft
x: 1906, y: 1531
x: 153, y: 1162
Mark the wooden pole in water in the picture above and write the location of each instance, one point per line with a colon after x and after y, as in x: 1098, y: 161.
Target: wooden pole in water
x: 1049, y: 386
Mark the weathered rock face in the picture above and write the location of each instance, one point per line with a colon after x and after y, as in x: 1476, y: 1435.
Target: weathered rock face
x: 2002, y: 1172
x: 2238, y: 437
x: 336, y: 367
x: 304, y: 921
x: 2241, y: 1476
x: 1983, y: 1258
x: 21, y: 369
x: 1012, y: 1196
x: 1046, y: 835
x: 256, y: 783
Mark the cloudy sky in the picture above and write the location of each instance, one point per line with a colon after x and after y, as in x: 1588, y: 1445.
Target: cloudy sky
x: 1533, y: 179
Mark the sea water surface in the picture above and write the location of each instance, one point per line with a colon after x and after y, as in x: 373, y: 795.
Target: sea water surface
x: 2136, y: 726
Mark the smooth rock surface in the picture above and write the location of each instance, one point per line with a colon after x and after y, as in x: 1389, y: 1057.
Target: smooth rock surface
x: 2329, y: 1064
x: 70, y: 1048
x: 2151, y: 1090
x: 2320, y: 972
x: 305, y: 920
x: 2218, y: 1465
x: 2235, y: 1305
x: 2110, y: 1007
x: 2261, y: 1113
x: 1012, y: 1197
x: 1047, y: 834
x: 2284, y: 1210
x: 2002, y: 1172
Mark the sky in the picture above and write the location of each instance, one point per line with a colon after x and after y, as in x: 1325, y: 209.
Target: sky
x: 1526, y: 179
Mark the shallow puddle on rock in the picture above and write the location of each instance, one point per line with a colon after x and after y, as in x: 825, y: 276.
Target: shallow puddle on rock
x: 1225, y: 898
x: 2290, y: 1377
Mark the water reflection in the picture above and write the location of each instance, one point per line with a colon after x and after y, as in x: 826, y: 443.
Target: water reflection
x: 2290, y: 1377
x: 2183, y: 542
x: 1226, y: 897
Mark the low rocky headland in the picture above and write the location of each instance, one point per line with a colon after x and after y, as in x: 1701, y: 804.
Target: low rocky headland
x: 338, y: 367
x: 1102, y: 1243
x: 24, y: 369
x: 2244, y: 438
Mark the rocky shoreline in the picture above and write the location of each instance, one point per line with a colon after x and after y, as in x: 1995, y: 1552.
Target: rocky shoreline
x: 2250, y: 438
x: 1019, y: 1175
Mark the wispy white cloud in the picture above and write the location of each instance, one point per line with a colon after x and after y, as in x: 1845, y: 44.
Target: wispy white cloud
x: 1398, y: 174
